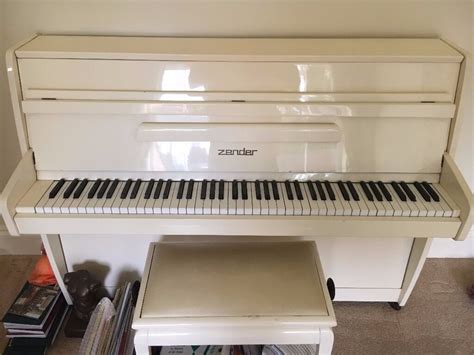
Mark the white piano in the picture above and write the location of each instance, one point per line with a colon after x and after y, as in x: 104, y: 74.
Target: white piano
x: 133, y: 140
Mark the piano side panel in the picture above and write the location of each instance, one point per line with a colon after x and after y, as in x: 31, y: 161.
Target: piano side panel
x: 359, y: 263
x: 109, y: 143
x: 153, y: 76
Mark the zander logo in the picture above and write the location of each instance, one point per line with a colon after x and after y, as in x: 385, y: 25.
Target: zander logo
x: 243, y: 151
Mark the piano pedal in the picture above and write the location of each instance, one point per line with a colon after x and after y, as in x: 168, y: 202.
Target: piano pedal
x: 395, y: 305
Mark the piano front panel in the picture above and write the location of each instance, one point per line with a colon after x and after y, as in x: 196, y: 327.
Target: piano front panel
x: 110, y: 143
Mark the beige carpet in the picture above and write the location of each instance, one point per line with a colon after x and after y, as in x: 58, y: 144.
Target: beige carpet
x: 438, y: 319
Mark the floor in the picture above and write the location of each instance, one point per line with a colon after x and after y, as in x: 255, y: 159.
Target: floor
x: 438, y: 319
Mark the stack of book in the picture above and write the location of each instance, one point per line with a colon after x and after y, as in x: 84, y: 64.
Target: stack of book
x: 110, y: 327
x: 33, y: 320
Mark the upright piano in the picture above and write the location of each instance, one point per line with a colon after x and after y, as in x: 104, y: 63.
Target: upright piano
x: 131, y: 140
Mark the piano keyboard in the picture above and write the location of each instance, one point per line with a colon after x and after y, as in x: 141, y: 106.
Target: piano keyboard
x: 219, y: 197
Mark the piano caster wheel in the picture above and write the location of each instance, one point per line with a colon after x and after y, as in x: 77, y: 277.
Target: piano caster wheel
x: 331, y: 288
x: 395, y: 305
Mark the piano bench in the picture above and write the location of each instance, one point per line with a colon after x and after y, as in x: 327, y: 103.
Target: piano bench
x: 231, y: 294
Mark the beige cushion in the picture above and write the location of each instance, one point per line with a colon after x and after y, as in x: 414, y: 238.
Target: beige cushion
x: 233, y: 279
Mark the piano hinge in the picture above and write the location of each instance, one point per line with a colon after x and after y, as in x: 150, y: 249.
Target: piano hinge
x: 237, y: 101
x: 34, y: 158
x: 427, y: 102
x: 48, y: 98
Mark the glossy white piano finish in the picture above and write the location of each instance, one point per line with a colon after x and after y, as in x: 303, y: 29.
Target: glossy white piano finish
x: 148, y: 108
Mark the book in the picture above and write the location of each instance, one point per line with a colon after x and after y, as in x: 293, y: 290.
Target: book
x: 31, y: 307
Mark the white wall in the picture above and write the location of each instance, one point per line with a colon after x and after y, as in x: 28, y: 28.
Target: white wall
x: 450, y: 19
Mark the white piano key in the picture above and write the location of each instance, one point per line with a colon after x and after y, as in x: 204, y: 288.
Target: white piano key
x: 240, y: 204
x: 81, y: 206
x: 174, y: 203
x: 60, y: 201
x: 39, y: 207
x: 215, y: 203
x: 191, y: 203
x: 34, y: 195
x: 74, y: 206
x: 223, y: 204
x: 248, y: 203
x: 353, y: 203
x: 199, y: 206
x: 446, y: 199
x: 430, y: 210
x: 156, y: 204
x: 132, y: 206
x: 289, y: 206
x: 90, y: 208
x: 99, y: 206
x: 389, y: 211
x: 297, y: 207
x: 183, y: 203
x: 166, y: 205
x: 379, y: 206
x: 256, y: 204
x: 337, y: 202
x: 118, y: 201
x: 142, y: 200
x: 305, y: 205
x: 313, y: 204
x: 109, y: 202
x: 363, y: 205
x: 207, y: 206
x: 53, y: 202
x: 400, y: 209
x: 272, y: 203
x: 330, y: 206
x: 280, y: 202
x: 264, y: 203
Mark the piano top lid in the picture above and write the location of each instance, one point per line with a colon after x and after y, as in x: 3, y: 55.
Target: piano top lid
x: 241, y: 49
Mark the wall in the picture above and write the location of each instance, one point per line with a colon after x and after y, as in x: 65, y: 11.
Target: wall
x: 450, y: 19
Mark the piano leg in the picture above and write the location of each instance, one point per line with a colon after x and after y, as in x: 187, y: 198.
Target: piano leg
x: 54, y: 251
x: 141, y: 343
x: 326, y: 341
x: 418, y: 254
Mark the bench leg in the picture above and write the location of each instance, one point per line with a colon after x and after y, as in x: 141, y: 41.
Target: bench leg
x: 141, y: 343
x: 326, y: 340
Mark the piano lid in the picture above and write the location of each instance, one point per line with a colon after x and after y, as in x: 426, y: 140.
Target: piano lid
x: 241, y: 49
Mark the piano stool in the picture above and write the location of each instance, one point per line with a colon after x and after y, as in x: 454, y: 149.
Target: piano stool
x: 233, y: 293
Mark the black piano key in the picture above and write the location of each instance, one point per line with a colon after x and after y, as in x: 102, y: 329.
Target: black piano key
x: 431, y: 191
x: 399, y: 191
x: 375, y: 191
x: 112, y: 189
x: 181, y: 189
x: 159, y: 187
x: 353, y: 191
x: 70, y: 189
x: 189, y: 193
x: 258, y: 191
x: 366, y: 190
x: 166, y: 193
x: 289, y: 193
x: 212, y: 191
x: 235, y: 190
x: 266, y: 190
x: 276, y: 194
x: 94, y: 188
x: 299, y: 194
x: 407, y: 190
x: 56, y: 188
x: 221, y: 189
x: 321, y: 192
x: 342, y: 188
x: 422, y: 192
x: 330, y: 191
x: 245, y: 195
x: 149, y: 189
x: 135, y: 189
x: 384, y: 190
x: 80, y: 189
x: 312, y: 191
x: 203, y: 189
x: 103, y: 188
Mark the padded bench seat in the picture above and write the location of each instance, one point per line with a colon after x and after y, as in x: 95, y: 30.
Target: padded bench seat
x: 233, y: 293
